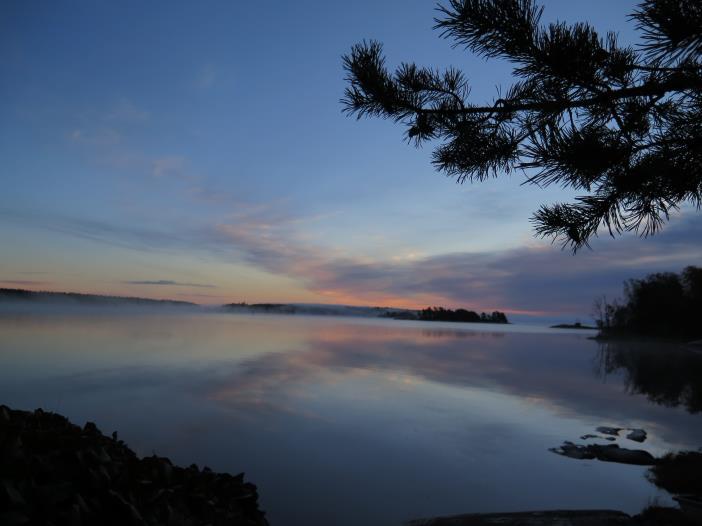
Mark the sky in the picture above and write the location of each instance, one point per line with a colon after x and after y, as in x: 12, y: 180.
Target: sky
x: 198, y: 151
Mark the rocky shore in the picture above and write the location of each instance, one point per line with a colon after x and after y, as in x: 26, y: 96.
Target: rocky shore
x: 56, y: 473
x: 53, y: 472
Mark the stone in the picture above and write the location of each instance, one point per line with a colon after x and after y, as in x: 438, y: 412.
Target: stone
x: 59, y: 474
x: 609, y: 430
x: 638, y: 435
x: 608, y: 453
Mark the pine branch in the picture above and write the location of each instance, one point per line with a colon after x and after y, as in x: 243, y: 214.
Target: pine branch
x: 623, y: 125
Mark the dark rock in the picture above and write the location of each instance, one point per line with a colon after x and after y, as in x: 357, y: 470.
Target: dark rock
x: 678, y: 473
x: 609, y: 430
x: 13, y: 518
x: 638, y: 435
x: 91, y: 429
x: 608, y: 453
x: 9, y: 496
x: 55, y: 473
x: 532, y: 518
x: 568, y: 449
x: 614, y: 453
x: 691, y: 506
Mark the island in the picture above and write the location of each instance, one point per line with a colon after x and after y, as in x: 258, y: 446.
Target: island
x: 443, y: 314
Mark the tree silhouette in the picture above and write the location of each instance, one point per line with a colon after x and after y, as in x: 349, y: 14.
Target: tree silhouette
x: 663, y: 304
x: 621, y: 125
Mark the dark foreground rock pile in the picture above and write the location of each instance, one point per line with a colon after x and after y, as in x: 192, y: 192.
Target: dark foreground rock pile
x: 53, y: 472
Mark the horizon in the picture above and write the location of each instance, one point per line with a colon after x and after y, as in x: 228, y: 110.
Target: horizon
x: 189, y: 155
x: 514, y: 317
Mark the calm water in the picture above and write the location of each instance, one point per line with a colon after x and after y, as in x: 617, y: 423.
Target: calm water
x: 342, y: 421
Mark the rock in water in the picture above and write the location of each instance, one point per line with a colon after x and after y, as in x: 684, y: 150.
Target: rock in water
x: 638, y: 435
x: 568, y: 449
x: 608, y: 453
x: 614, y: 453
x: 609, y: 430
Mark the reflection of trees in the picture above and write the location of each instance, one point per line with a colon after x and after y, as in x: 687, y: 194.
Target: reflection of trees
x: 449, y: 334
x: 670, y: 377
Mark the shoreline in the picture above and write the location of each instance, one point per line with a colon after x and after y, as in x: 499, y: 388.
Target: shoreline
x: 53, y: 471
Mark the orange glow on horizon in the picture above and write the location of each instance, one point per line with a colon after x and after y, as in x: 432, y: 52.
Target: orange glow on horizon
x: 335, y: 297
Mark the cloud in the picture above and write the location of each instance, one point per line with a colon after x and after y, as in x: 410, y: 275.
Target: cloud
x: 168, y: 282
x: 125, y: 236
x: 539, y: 279
x: 100, y: 136
x: 168, y: 166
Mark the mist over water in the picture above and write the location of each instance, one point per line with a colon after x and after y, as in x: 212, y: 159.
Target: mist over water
x: 355, y: 421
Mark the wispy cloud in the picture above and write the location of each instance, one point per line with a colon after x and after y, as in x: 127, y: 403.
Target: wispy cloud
x: 168, y: 166
x: 119, y: 235
x: 168, y: 282
x: 537, y: 279
x: 126, y: 111
x: 97, y: 136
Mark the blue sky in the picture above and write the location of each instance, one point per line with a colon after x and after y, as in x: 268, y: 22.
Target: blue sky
x: 198, y: 151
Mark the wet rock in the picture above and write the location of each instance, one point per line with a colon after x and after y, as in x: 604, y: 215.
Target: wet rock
x: 614, y: 431
x: 638, y: 435
x: 608, y: 453
x: 570, y: 450
x: 614, y: 453
x: 590, y: 435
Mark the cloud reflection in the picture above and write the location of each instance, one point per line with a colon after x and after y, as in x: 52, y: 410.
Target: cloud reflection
x: 551, y: 371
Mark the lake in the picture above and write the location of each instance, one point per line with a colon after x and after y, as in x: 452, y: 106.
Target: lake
x: 362, y: 421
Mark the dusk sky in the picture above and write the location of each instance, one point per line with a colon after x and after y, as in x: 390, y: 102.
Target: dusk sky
x: 198, y: 151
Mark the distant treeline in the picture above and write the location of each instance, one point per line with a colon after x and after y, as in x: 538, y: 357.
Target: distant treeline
x: 74, y: 297
x: 665, y: 305
x: 314, y: 310
x: 278, y: 308
x: 463, y: 315
x: 442, y: 314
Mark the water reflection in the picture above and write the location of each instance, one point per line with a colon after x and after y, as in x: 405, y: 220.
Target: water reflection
x: 350, y: 421
x: 670, y: 375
